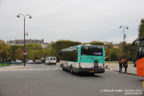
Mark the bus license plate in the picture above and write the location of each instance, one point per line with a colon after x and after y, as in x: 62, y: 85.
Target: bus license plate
x: 92, y: 71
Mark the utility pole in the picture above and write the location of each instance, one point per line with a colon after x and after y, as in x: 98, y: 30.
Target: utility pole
x: 24, y: 17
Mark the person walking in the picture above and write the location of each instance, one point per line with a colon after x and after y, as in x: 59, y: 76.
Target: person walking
x: 125, y: 64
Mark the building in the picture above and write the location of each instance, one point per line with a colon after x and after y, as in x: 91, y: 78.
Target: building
x: 28, y: 41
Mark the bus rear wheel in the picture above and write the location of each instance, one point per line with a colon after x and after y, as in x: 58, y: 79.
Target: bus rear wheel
x: 63, y: 69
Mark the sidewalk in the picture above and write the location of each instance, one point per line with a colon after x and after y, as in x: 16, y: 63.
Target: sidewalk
x: 12, y: 68
x: 115, y: 67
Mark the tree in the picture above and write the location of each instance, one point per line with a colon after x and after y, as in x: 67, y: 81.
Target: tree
x: 19, y: 54
x: 115, y: 53
x: 141, y: 29
x: 108, y: 49
x: 34, y: 51
x: 60, y: 44
x: 4, y: 51
x: 33, y: 46
x: 13, y: 49
x: 95, y: 43
x: 30, y: 55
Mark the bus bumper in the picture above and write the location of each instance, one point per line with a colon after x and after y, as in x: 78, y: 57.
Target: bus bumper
x: 89, y: 70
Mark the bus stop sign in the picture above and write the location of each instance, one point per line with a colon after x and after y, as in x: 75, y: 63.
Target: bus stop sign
x: 24, y: 51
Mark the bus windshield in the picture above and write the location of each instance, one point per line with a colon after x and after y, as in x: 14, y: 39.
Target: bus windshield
x: 91, y: 50
x: 141, y: 43
x: 141, y: 50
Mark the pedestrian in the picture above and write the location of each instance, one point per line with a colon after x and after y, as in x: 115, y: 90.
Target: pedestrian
x: 120, y: 65
x: 125, y: 64
x: 134, y: 60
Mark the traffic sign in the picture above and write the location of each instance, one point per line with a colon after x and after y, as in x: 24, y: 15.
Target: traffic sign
x: 24, y: 51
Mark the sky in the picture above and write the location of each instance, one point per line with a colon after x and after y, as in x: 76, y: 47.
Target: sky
x: 78, y: 20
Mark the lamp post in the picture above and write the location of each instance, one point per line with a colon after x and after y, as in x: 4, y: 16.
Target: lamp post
x: 24, y: 16
x: 124, y: 27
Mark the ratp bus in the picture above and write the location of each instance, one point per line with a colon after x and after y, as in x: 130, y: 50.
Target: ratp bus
x: 140, y: 57
x: 83, y: 59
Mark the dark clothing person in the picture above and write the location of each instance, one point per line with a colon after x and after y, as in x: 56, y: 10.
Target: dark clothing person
x: 125, y: 64
x: 120, y: 65
x: 134, y: 62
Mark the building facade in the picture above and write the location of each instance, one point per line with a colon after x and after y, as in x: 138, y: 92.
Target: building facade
x: 27, y: 41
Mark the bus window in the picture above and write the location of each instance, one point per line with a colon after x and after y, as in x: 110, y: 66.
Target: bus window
x: 140, y: 52
x: 69, y: 55
x: 96, y: 51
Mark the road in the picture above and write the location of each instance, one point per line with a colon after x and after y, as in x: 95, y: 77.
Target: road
x: 44, y: 80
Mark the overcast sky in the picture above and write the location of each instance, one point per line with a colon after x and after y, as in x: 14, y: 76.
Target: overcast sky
x: 79, y: 20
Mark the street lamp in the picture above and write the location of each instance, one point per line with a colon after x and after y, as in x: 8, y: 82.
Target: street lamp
x: 124, y: 27
x: 24, y: 16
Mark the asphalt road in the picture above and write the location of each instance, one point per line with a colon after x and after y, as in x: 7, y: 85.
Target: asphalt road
x: 44, y: 80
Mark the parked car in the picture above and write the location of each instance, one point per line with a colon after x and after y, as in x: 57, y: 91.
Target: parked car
x: 38, y: 61
x: 18, y: 61
x: 30, y: 62
x: 12, y: 62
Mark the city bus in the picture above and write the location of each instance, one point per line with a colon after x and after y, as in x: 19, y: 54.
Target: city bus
x: 140, y: 57
x: 83, y: 59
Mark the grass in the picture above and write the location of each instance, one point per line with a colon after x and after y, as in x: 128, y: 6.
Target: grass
x: 2, y: 65
x: 5, y: 64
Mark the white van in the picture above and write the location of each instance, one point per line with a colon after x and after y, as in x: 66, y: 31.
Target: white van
x: 50, y: 60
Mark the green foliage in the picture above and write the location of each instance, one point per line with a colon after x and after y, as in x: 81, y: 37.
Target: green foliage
x: 95, y: 43
x: 19, y: 54
x: 35, y: 51
x: 4, y: 50
x: 30, y: 55
x: 64, y: 44
x: 60, y: 44
x: 12, y: 51
x: 127, y: 50
x: 141, y: 29
x: 114, y: 53
x: 108, y: 50
x: 33, y: 46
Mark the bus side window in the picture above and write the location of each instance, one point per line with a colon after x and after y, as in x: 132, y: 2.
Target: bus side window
x: 140, y: 52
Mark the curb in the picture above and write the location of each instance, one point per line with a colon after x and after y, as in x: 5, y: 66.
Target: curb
x: 122, y: 72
